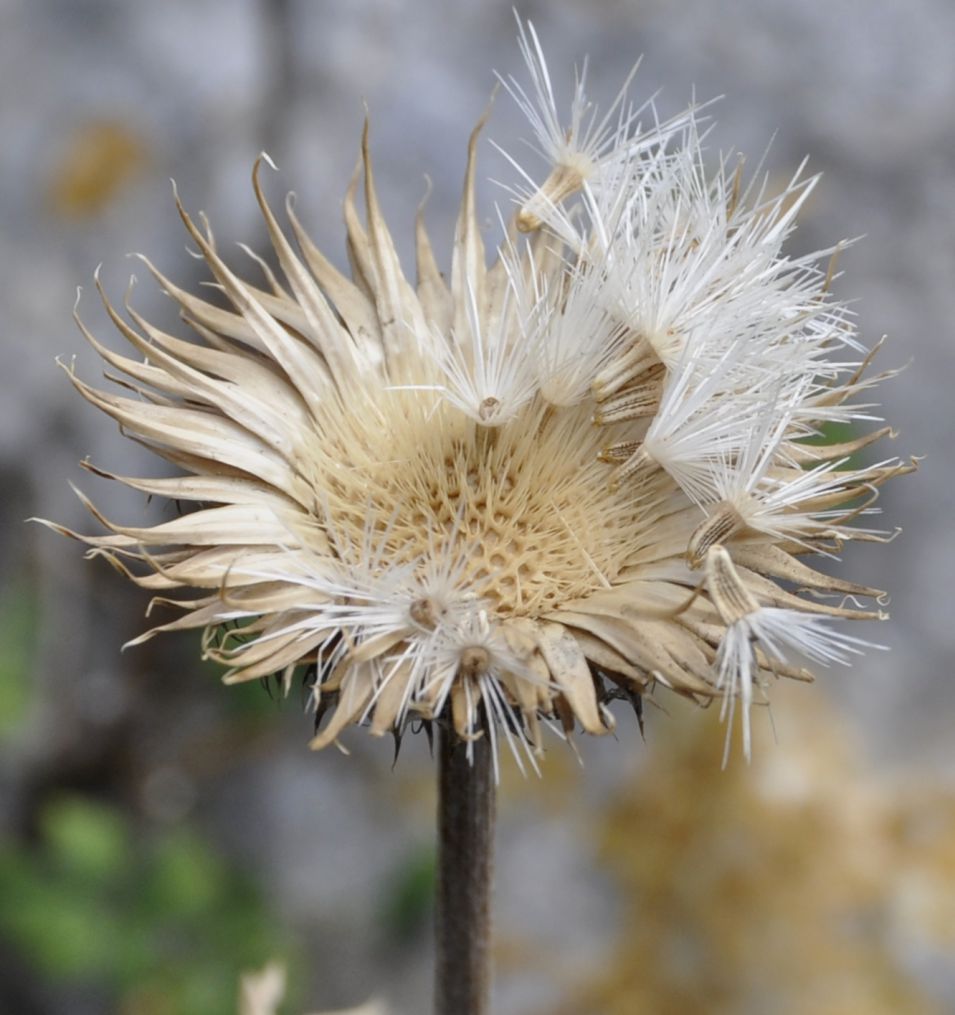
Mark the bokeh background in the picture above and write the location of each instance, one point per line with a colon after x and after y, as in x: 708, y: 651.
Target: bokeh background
x: 159, y: 833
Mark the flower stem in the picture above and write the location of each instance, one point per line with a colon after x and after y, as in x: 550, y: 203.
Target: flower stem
x: 465, y: 846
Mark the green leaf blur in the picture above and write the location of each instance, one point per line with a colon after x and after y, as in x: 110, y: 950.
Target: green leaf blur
x: 159, y: 919
x: 18, y: 637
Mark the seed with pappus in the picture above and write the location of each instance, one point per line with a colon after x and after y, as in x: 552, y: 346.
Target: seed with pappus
x: 573, y: 471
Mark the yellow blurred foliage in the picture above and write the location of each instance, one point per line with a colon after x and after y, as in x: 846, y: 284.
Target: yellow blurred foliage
x: 99, y: 159
x: 800, y: 884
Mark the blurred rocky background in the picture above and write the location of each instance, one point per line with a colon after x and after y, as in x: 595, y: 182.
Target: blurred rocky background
x: 159, y: 833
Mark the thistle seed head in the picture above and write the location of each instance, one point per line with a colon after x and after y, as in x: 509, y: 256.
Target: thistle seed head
x: 496, y: 500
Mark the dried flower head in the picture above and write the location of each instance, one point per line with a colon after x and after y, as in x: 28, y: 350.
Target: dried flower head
x: 506, y: 498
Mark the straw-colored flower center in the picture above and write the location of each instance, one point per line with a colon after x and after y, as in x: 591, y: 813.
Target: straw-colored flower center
x: 525, y: 508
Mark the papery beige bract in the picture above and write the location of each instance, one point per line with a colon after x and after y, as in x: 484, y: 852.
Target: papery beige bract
x: 507, y: 498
